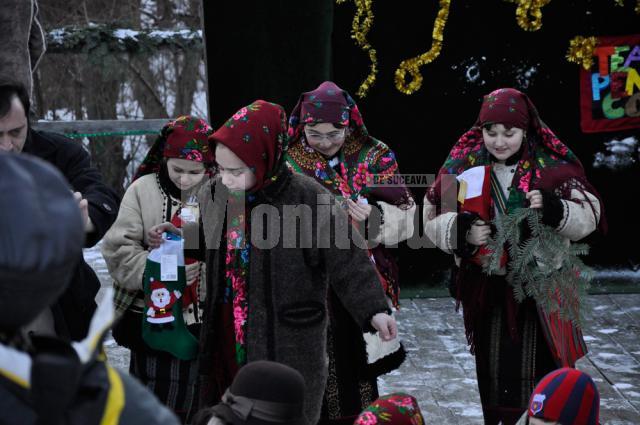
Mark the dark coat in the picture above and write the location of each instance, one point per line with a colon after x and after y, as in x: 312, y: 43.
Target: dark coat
x: 287, y: 287
x: 74, y: 309
x: 60, y: 386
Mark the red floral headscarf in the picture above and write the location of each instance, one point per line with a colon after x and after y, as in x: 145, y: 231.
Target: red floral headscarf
x: 545, y: 163
x: 186, y: 137
x: 328, y: 103
x: 257, y: 134
x: 392, y: 409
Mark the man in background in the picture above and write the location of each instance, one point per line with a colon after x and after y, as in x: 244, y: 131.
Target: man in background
x: 69, y: 317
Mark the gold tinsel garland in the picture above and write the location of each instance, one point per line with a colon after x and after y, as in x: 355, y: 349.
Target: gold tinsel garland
x: 528, y: 16
x: 620, y: 3
x: 412, y: 66
x: 529, y: 8
x: 581, y: 51
x: 362, y: 22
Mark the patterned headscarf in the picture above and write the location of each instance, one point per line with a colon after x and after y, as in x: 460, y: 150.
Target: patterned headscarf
x: 186, y: 137
x: 330, y: 104
x: 326, y: 104
x: 392, y: 409
x: 545, y: 163
x: 257, y: 134
x: 508, y: 107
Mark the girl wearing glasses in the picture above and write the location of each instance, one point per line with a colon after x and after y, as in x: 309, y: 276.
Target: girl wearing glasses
x: 331, y: 144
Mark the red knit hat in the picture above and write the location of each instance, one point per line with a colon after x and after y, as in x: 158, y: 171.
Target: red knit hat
x: 567, y: 396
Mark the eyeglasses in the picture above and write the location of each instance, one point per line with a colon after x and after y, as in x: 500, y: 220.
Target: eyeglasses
x: 332, y: 137
x: 235, y: 172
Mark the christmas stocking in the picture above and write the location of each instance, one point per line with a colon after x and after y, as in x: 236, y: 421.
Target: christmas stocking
x: 164, y: 284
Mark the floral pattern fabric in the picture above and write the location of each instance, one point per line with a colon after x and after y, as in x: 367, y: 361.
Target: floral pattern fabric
x: 257, y: 134
x: 360, y: 158
x: 236, y: 273
x: 186, y: 137
x: 545, y: 162
x: 359, y: 170
x: 392, y: 409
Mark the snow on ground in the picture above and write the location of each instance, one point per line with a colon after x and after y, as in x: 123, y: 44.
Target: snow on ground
x: 440, y: 372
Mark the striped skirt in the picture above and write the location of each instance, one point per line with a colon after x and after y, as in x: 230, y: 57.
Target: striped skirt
x: 172, y: 380
x: 508, y: 369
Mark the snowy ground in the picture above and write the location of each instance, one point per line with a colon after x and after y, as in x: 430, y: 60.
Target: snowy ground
x: 440, y: 372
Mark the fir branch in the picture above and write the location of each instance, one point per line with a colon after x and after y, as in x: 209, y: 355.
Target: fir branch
x: 533, y: 263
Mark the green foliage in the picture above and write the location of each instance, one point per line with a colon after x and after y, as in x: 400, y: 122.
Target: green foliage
x: 541, y: 264
x: 102, y: 40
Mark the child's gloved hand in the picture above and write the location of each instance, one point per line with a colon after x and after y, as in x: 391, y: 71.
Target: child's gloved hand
x: 479, y: 233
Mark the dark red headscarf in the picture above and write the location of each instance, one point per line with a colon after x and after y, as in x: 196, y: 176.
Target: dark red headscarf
x: 257, y: 134
x: 186, y: 137
x: 545, y: 163
x: 508, y: 107
x: 328, y: 103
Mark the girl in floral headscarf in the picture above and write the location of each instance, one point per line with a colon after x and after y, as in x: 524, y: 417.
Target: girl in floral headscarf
x: 331, y: 144
x: 163, y: 189
x: 274, y: 245
x: 508, y: 160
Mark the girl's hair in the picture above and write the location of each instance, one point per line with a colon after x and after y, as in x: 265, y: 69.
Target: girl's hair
x: 487, y: 126
x: 335, y: 124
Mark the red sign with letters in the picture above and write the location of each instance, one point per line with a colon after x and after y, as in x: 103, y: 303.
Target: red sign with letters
x: 610, y: 90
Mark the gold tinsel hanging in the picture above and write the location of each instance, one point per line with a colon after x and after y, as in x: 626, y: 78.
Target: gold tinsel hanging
x: 581, y: 51
x: 412, y: 66
x: 620, y: 3
x: 362, y: 22
x: 529, y: 8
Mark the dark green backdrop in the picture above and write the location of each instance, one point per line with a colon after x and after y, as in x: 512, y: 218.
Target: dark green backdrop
x: 276, y: 49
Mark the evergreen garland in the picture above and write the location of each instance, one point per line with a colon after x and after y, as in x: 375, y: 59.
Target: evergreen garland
x: 107, y: 39
x: 535, y: 252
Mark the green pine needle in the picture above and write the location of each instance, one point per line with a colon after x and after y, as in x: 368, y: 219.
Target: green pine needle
x: 533, y: 263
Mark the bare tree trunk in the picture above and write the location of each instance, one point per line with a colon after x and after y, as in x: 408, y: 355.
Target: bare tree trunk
x: 187, y: 80
x: 165, y: 13
x: 144, y: 88
x: 106, y: 152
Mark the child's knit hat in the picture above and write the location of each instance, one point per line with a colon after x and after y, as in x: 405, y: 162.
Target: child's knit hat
x: 567, y: 396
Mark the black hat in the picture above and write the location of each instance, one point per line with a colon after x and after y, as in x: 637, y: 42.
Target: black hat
x: 264, y: 393
x: 41, y: 238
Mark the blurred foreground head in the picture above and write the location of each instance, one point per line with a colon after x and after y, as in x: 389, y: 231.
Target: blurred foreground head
x: 41, y: 234
x: 262, y: 393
